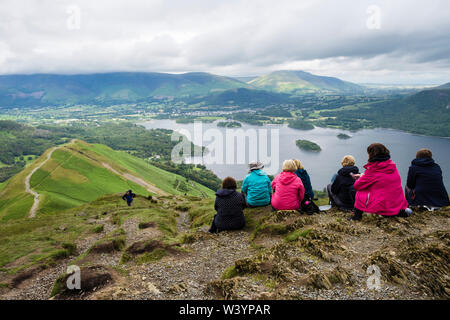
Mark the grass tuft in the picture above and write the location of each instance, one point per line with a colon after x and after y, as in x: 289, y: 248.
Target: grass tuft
x: 229, y: 273
x: 293, y: 236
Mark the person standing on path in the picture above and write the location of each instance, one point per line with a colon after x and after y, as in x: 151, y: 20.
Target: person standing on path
x: 128, y: 196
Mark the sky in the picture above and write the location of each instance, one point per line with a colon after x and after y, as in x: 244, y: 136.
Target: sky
x: 392, y: 42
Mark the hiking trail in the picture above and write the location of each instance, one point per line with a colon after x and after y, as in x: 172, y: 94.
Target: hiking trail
x: 28, y: 189
x: 137, y: 180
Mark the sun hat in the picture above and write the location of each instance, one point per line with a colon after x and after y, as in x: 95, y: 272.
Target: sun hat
x: 255, y: 165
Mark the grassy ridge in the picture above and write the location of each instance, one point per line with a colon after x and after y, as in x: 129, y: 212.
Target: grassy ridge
x: 69, y: 180
x: 75, y: 174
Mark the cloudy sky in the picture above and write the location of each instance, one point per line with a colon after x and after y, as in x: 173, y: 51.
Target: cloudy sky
x: 401, y: 41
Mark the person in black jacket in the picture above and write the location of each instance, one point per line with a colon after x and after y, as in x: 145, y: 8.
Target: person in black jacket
x: 425, y: 186
x: 128, y: 196
x: 229, y: 206
x: 341, y: 191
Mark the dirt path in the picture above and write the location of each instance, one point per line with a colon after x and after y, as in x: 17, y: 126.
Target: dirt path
x: 183, y: 222
x: 28, y: 189
x: 137, y: 180
x: 204, y: 195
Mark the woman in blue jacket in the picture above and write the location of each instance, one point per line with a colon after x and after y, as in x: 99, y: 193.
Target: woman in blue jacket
x: 425, y: 186
x: 256, y: 186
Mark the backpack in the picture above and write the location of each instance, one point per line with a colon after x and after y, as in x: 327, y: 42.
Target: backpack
x: 309, y: 207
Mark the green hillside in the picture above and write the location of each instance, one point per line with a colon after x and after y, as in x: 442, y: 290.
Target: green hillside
x: 426, y: 112
x: 20, y: 141
x: 78, y: 173
x: 299, y: 82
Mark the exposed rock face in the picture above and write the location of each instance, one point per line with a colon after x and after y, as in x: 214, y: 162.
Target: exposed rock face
x: 105, y: 247
x: 144, y: 246
x: 224, y: 289
x: 92, y: 278
x: 145, y: 225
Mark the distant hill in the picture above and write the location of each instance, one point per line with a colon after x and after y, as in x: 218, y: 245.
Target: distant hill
x: 78, y: 173
x: 444, y: 86
x: 298, y: 82
x: 50, y: 89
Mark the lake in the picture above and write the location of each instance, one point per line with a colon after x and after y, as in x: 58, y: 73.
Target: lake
x: 322, y: 165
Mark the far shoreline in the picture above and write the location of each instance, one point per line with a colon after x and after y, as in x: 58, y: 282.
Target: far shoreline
x: 315, y: 126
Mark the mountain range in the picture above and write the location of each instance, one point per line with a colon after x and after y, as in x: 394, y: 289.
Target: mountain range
x: 128, y: 87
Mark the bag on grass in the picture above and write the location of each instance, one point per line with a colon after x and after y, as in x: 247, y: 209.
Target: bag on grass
x: 309, y: 207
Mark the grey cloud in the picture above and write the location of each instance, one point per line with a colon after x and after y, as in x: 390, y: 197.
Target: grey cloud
x: 230, y: 37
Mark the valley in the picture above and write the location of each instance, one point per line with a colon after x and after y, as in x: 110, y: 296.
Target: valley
x: 426, y: 109
x: 145, y: 147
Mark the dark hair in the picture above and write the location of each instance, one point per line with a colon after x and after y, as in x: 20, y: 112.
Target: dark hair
x: 424, y: 153
x: 377, y: 150
x: 229, y: 183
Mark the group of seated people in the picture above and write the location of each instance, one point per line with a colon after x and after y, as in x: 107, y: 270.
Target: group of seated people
x: 378, y: 190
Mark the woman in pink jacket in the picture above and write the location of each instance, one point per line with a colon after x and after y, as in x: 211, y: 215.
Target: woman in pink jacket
x: 379, y: 189
x: 288, y: 188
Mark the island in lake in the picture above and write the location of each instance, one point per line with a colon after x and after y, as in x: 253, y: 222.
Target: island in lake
x: 308, y: 145
x: 229, y: 124
x: 343, y: 136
